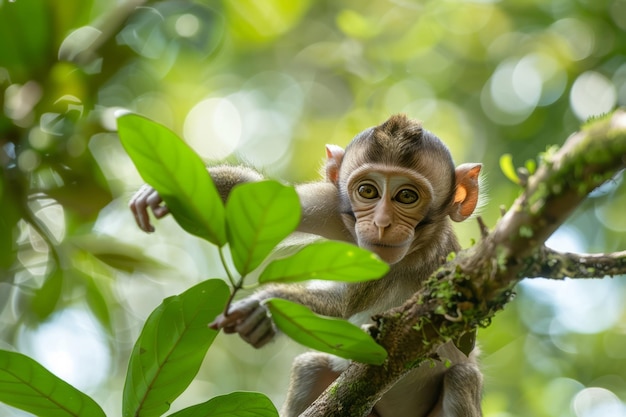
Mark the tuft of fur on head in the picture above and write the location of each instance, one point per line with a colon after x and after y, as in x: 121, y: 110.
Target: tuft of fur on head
x: 402, y: 142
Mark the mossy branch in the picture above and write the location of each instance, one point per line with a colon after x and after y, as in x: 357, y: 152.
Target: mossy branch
x: 469, y: 290
x: 560, y: 265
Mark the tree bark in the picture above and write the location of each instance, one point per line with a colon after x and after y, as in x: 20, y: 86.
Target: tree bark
x: 467, y: 291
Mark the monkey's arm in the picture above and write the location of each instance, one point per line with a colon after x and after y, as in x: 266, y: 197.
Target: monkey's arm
x: 320, y: 211
x: 249, y: 317
x: 224, y: 177
x: 319, y: 202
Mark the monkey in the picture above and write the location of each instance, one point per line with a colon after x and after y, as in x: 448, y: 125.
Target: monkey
x: 394, y: 190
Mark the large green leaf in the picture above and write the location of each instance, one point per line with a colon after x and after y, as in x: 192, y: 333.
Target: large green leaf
x: 171, y: 347
x: 325, y: 334
x: 177, y: 173
x: 258, y: 216
x: 328, y: 260
x: 27, y: 385
x: 235, y: 404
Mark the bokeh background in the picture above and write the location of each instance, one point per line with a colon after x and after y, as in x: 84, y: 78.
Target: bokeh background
x: 268, y: 83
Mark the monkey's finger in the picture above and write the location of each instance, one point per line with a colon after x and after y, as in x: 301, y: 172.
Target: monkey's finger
x: 229, y: 330
x: 264, y: 340
x: 138, y: 206
x: 248, y: 325
x: 237, y: 312
x: 155, y: 202
x: 256, y: 329
x: 227, y: 322
x: 261, y: 334
x: 218, y: 323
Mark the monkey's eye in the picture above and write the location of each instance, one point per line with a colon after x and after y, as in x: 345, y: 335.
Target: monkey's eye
x: 406, y: 196
x: 368, y: 191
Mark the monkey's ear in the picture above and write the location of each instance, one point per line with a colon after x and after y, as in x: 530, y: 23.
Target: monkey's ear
x: 334, y: 155
x: 466, y: 193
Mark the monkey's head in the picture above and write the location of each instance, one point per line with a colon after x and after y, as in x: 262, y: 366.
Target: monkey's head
x: 397, y: 183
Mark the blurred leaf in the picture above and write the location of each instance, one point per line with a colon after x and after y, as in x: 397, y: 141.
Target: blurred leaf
x: 328, y: 260
x: 46, y: 298
x: 235, y: 404
x: 74, y: 13
x: 9, y: 216
x: 258, y: 216
x: 325, y: 334
x: 177, y: 173
x: 85, y: 197
x: 508, y: 169
x: 97, y: 279
x: 27, y: 24
x: 171, y: 347
x: 158, y: 32
x: 355, y: 25
x: 117, y: 254
x: 27, y: 385
x: 254, y: 21
x: 98, y: 304
x: 531, y: 166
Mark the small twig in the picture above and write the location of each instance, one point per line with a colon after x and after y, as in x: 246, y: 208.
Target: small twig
x: 484, y: 230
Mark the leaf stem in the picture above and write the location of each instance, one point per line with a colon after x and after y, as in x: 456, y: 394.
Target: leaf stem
x: 236, y: 285
x: 231, y: 279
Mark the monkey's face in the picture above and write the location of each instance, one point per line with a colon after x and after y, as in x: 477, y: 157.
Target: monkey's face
x: 387, y: 203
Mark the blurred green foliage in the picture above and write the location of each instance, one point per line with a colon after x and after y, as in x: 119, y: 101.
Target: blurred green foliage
x: 270, y: 82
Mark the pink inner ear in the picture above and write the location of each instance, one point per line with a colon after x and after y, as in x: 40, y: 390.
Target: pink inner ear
x: 334, y: 155
x: 335, y: 152
x: 474, y: 172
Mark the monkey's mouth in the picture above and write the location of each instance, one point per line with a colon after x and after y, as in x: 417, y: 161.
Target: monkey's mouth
x: 388, y: 252
x: 386, y: 245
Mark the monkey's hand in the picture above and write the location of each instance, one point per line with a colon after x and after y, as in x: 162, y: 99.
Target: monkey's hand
x: 146, y: 197
x: 250, y: 319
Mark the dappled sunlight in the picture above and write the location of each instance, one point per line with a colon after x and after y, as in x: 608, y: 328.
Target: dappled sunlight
x: 598, y: 402
x: 592, y: 94
x: 72, y: 345
x: 580, y: 306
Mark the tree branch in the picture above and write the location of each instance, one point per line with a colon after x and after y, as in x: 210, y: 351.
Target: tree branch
x: 560, y: 265
x: 479, y: 281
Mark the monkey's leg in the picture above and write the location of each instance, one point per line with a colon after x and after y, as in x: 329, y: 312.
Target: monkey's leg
x: 462, y: 392
x: 311, y: 374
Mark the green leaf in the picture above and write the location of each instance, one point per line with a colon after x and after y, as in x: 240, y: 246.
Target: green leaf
x: 328, y: 260
x: 171, y: 347
x: 46, y: 297
x: 236, y: 404
x: 258, y: 216
x: 177, y: 173
x: 27, y: 385
x: 325, y: 334
x: 97, y: 303
x: 531, y: 166
x: 508, y: 169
